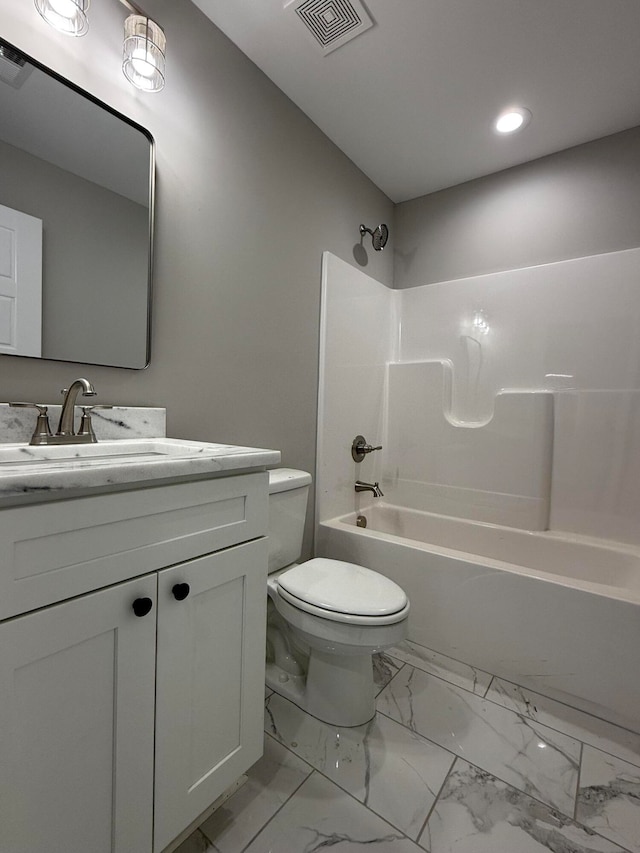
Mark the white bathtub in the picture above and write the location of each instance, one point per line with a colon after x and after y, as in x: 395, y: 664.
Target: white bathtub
x: 555, y: 612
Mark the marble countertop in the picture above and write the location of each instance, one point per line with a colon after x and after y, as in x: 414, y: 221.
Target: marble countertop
x: 35, y: 474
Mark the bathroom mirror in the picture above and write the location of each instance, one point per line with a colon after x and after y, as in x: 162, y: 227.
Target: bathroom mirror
x: 76, y: 222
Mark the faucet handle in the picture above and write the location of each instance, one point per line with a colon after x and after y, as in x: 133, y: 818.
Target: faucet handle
x: 42, y: 431
x: 360, y: 448
x: 86, y: 427
x: 39, y: 406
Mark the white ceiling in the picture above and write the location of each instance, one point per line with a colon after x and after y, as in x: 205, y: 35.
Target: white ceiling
x: 412, y: 99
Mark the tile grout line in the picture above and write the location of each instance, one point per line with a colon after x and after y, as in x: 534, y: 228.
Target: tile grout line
x: 486, y: 692
x: 579, y: 774
x: 277, y: 811
x: 612, y: 755
x: 437, y: 800
x: 394, y: 676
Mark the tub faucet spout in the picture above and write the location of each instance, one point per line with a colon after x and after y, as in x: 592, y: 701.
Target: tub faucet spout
x: 374, y: 488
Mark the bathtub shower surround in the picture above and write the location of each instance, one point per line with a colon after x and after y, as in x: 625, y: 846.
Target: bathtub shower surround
x: 497, y: 471
x: 596, y: 472
x: 511, y: 398
x: 508, y: 407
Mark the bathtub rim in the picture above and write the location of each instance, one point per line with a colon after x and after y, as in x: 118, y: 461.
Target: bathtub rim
x: 623, y: 594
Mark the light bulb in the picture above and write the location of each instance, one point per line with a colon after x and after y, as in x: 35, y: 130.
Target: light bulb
x: 509, y: 122
x: 515, y: 118
x: 142, y: 63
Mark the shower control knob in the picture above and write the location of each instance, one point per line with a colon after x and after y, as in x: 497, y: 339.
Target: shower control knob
x: 360, y: 448
x: 142, y: 606
x: 181, y: 591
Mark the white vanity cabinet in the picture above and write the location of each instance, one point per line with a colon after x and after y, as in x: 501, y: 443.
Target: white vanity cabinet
x: 76, y: 725
x: 210, y: 681
x: 133, y: 685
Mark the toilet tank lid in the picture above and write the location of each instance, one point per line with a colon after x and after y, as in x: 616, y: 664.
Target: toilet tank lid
x: 285, y: 479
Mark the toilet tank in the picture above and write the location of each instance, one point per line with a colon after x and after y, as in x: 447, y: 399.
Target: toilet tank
x: 288, y: 493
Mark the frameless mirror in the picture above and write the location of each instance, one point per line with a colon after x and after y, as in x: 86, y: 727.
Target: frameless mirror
x: 76, y: 222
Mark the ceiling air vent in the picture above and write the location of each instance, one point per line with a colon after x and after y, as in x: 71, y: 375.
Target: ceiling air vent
x: 14, y: 68
x: 332, y: 23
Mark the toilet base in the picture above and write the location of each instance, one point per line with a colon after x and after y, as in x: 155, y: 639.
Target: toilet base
x: 338, y: 689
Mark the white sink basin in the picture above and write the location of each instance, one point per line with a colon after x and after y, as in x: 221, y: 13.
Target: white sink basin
x: 48, y: 471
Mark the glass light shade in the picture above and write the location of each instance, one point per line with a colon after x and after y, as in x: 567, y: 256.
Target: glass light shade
x: 144, y: 53
x: 67, y: 16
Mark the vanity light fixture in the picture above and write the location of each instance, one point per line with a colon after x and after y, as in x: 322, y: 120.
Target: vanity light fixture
x: 66, y: 16
x: 512, y: 119
x: 144, y: 46
x: 144, y: 52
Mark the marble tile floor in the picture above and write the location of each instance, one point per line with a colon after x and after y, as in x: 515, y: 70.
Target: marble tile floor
x: 455, y: 761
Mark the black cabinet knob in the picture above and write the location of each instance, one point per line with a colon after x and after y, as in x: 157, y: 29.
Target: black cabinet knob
x: 142, y: 606
x: 181, y: 591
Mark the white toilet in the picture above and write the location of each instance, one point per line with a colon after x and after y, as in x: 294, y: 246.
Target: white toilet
x: 325, y: 617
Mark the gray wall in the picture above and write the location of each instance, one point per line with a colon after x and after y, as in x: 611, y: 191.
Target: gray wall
x: 579, y: 202
x: 94, y: 260
x: 249, y: 195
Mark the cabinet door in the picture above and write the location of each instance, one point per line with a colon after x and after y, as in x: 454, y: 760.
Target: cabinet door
x: 76, y: 725
x: 210, y: 681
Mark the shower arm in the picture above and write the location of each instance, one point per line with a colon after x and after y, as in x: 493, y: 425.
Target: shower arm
x: 379, y: 235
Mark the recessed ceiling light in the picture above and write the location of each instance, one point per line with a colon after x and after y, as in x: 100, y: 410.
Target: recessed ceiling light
x: 515, y: 118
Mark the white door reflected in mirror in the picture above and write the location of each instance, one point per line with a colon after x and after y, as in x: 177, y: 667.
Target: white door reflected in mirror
x: 20, y: 283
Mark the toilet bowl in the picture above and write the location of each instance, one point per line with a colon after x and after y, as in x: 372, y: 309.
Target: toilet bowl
x: 325, y: 617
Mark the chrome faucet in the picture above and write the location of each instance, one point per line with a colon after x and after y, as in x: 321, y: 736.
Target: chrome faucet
x: 66, y: 424
x: 374, y: 488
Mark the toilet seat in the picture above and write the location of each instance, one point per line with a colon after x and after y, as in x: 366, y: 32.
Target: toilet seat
x: 343, y: 592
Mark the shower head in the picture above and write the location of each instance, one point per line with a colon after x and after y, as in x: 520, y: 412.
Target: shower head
x: 379, y: 235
